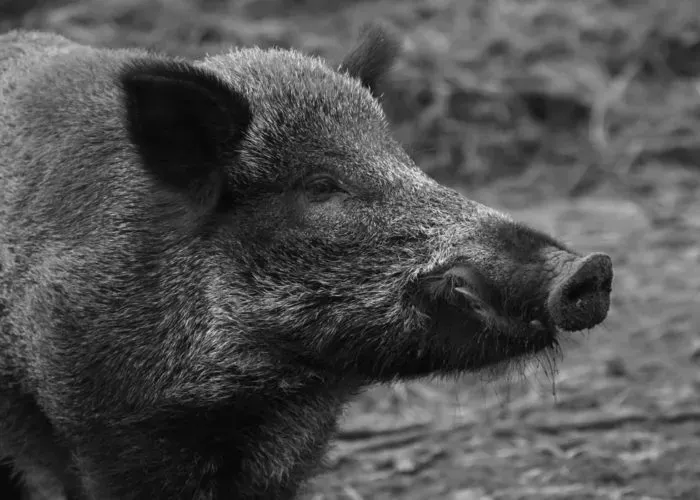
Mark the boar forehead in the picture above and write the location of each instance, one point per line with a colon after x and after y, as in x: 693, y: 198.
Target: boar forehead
x: 308, y: 118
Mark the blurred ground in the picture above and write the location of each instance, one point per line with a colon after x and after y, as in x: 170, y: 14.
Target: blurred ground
x: 582, y: 117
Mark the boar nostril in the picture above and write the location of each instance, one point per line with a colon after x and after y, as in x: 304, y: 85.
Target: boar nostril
x: 579, y: 290
x: 580, y: 298
x: 591, y: 285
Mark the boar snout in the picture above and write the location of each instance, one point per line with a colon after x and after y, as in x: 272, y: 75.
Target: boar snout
x: 580, y: 295
x: 521, y: 309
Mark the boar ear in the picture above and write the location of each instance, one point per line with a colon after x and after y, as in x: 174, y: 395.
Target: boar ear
x: 186, y: 124
x: 375, y: 53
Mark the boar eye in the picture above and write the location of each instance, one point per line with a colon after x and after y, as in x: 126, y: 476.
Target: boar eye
x: 322, y: 188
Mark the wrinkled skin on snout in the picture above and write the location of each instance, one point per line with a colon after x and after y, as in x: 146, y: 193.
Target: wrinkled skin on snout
x: 203, y: 261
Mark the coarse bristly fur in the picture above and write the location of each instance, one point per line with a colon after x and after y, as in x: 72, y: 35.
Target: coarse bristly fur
x: 201, y: 262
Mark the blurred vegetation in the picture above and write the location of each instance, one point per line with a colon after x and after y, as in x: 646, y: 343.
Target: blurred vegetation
x: 581, y: 91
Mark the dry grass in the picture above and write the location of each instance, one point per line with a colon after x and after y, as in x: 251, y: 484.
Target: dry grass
x: 587, y: 114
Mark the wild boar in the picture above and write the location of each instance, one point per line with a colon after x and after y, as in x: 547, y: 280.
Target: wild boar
x: 203, y: 261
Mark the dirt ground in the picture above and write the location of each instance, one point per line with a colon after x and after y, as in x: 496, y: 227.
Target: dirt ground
x: 582, y: 118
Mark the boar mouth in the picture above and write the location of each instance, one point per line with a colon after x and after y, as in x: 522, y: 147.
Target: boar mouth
x: 477, y: 323
x: 471, y: 316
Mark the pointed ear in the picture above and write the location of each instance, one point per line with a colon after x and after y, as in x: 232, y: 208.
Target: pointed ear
x: 373, y: 56
x: 186, y: 124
